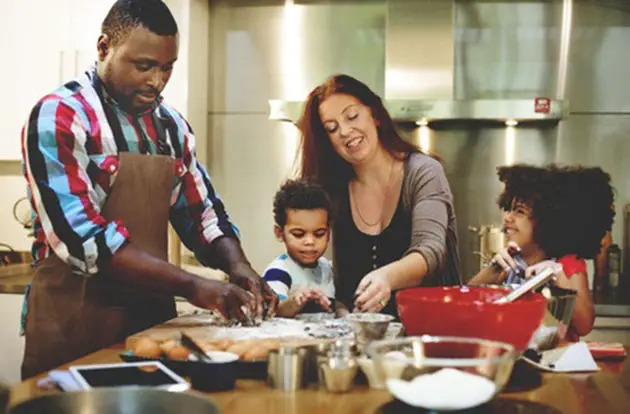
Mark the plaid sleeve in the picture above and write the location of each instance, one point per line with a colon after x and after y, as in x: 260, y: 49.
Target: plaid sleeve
x: 198, y: 214
x: 63, y: 197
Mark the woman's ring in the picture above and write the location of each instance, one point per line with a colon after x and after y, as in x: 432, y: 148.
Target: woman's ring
x: 383, y: 303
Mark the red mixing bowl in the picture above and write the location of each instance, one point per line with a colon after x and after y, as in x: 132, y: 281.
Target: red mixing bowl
x: 468, y: 311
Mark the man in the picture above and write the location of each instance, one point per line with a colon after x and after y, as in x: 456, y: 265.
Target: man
x: 107, y: 165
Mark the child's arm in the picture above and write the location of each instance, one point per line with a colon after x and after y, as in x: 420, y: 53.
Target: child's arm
x: 583, y: 311
x: 487, y: 276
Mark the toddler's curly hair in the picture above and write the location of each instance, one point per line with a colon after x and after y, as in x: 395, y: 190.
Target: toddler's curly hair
x: 299, y: 195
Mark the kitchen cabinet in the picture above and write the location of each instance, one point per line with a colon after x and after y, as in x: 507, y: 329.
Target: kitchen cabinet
x: 11, y: 343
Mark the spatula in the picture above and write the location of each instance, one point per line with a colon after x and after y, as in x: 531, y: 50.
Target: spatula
x: 531, y: 284
x: 196, y: 350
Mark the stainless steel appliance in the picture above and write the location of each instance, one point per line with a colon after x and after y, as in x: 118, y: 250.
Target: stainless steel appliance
x: 423, y: 50
x: 491, y: 241
x: 127, y: 400
x: 625, y: 270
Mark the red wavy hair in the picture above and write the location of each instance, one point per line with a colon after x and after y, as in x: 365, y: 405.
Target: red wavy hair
x: 319, y: 160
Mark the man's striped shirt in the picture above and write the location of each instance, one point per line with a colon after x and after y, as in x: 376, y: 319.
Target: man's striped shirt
x: 70, y: 147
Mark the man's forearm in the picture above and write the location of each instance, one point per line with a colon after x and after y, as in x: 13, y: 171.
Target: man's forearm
x: 139, y: 268
x: 224, y: 253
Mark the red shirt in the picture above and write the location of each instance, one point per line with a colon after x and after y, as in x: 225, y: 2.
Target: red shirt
x: 572, y: 265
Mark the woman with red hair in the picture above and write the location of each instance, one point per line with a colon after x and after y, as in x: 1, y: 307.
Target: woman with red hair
x: 394, y: 221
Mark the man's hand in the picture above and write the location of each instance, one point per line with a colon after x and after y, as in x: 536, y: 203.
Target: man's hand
x: 227, y: 298
x: 265, y: 299
x: 226, y: 254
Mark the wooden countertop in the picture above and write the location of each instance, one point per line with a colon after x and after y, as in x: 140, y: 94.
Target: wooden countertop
x: 607, y: 391
x: 15, y: 277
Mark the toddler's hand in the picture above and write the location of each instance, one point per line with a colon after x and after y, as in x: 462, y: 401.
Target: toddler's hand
x: 318, y: 296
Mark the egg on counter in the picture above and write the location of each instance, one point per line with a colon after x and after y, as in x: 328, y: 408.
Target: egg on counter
x: 146, y: 348
x: 166, y: 346
x: 256, y: 351
x: 240, y: 348
x: 216, y: 344
x: 178, y: 352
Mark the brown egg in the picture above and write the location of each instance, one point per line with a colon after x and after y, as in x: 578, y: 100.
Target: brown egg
x: 270, y: 343
x: 209, y: 346
x: 178, y: 352
x: 147, y: 348
x: 256, y: 352
x: 240, y: 348
x: 166, y: 346
x: 223, y: 344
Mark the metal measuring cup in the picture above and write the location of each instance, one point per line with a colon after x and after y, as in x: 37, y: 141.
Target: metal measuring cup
x: 285, y: 369
x: 338, y: 367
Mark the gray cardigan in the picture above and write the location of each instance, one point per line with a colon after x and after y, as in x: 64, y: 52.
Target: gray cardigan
x: 426, y: 195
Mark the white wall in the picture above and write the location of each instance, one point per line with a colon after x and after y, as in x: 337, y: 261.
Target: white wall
x: 59, y: 44
x: 36, y: 67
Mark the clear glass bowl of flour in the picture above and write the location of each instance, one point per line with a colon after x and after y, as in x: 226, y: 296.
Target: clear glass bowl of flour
x: 443, y: 373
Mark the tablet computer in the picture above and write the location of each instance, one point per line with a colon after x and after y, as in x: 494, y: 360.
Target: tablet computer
x: 131, y: 374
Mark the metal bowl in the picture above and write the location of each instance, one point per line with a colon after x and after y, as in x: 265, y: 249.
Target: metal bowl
x: 554, y: 326
x: 369, y: 326
x: 128, y: 400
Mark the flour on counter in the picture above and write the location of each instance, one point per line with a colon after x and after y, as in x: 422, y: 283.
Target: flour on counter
x: 446, y: 389
x: 272, y: 328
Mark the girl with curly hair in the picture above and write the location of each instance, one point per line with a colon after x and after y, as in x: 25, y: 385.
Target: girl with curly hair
x: 553, y: 213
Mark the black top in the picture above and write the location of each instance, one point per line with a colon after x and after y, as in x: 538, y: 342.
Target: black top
x: 356, y: 253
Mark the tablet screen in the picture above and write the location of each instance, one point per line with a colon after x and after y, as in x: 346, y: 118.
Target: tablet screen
x: 126, y: 375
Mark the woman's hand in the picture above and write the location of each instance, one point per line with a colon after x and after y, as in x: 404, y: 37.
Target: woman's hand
x: 373, y: 292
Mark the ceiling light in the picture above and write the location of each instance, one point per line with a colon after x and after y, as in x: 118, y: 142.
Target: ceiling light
x: 511, y: 122
x: 422, y: 122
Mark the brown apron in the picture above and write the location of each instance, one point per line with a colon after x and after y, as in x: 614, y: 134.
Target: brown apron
x: 70, y: 315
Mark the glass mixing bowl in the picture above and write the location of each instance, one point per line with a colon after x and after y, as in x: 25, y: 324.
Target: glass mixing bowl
x: 443, y: 373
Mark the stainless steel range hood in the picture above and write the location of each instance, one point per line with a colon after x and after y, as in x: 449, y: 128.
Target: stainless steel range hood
x: 420, y: 75
x: 423, y: 111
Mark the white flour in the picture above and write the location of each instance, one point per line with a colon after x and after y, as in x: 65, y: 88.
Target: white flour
x: 446, y: 389
x: 273, y: 328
